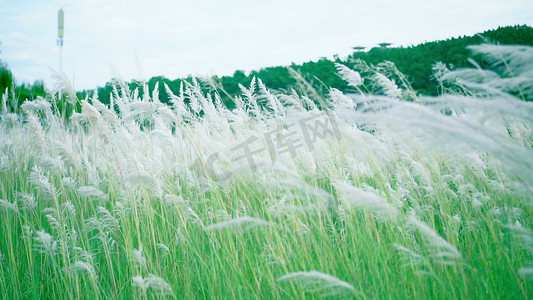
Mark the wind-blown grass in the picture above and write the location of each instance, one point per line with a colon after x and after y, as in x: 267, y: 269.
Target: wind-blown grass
x: 408, y: 197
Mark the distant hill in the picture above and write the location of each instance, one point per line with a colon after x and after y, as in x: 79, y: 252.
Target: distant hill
x: 415, y: 62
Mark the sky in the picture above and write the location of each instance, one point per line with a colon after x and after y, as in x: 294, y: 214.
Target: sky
x: 138, y: 39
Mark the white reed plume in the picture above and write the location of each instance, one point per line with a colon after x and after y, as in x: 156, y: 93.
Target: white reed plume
x: 52, y: 217
x: 69, y: 183
x: 157, y: 284
x: 63, y: 83
x: 163, y: 249
x: 526, y: 272
x: 342, y: 102
x: 79, y: 119
x: 4, y: 100
x: 104, y: 221
x: 445, y: 253
x: 45, y: 244
x: 511, y: 60
x: 80, y: 267
x: 241, y: 223
x: 42, y: 182
x: 352, y: 77
x: 4, y: 162
x: 249, y: 94
x: 90, y: 112
x: 37, y: 107
x: 191, y: 215
x: 359, y: 198
x: 36, y: 129
x: 316, y: 281
x: 92, y: 193
x: 8, y: 206
x: 272, y: 101
x: 387, y: 85
x: 194, y: 103
x: 509, y: 74
x: 53, y: 165
x: 138, y: 256
x: 409, y: 258
x: 27, y: 232
x: 104, y: 224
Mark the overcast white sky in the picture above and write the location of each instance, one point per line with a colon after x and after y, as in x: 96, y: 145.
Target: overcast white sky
x: 138, y: 39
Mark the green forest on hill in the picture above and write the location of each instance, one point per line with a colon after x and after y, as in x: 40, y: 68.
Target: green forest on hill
x: 415, y: 62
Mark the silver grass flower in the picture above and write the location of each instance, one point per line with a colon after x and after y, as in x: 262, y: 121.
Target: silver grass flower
x: 8, y: 206
x: 37, y: 131
x: 526, y: 272
x: 318, y: 282
x: 342, y: 102
x: 89, y: 111
x: 45, y: 244
x: 92, y: 193
x: 104, y: 221
x: 192, y: 95
x: 241, y: 223
x: 191, y: 215
x: 27, y: 201
x: 272, y: 100
x: 101, y: 227
x: 41, y: 181
x: 68, y: 210
x: 163, y: 249
x: 178, y: 103
x: 178, y: 236
x: 10, y: 120
x: 352, y: 77
x: 53, y: 222
x: 157, y: 284
x: 27, y: 232
x: 4, y: 99
x: 445, y: 253
x: 53, y: 165
x: 36, y: 107
x: 79, y: 119
x: 302, y: 227
x: 69, y: 183
x: 511, y: 58
x: 80, y: 267
x: 410, y: 258
x: 373, y: 202
x: 387, y: 85
x: 4, y: 162
x: 138, y: 256
x: 122, y: 209
x: 84, y: 255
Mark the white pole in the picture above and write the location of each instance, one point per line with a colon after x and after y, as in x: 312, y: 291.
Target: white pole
x: 60, y: 34
x: 60, y: 59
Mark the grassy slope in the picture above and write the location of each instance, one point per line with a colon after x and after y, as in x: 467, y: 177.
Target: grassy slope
x: 398, y: 208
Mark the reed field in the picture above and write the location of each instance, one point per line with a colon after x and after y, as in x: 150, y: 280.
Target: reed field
x: 377, y: 194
